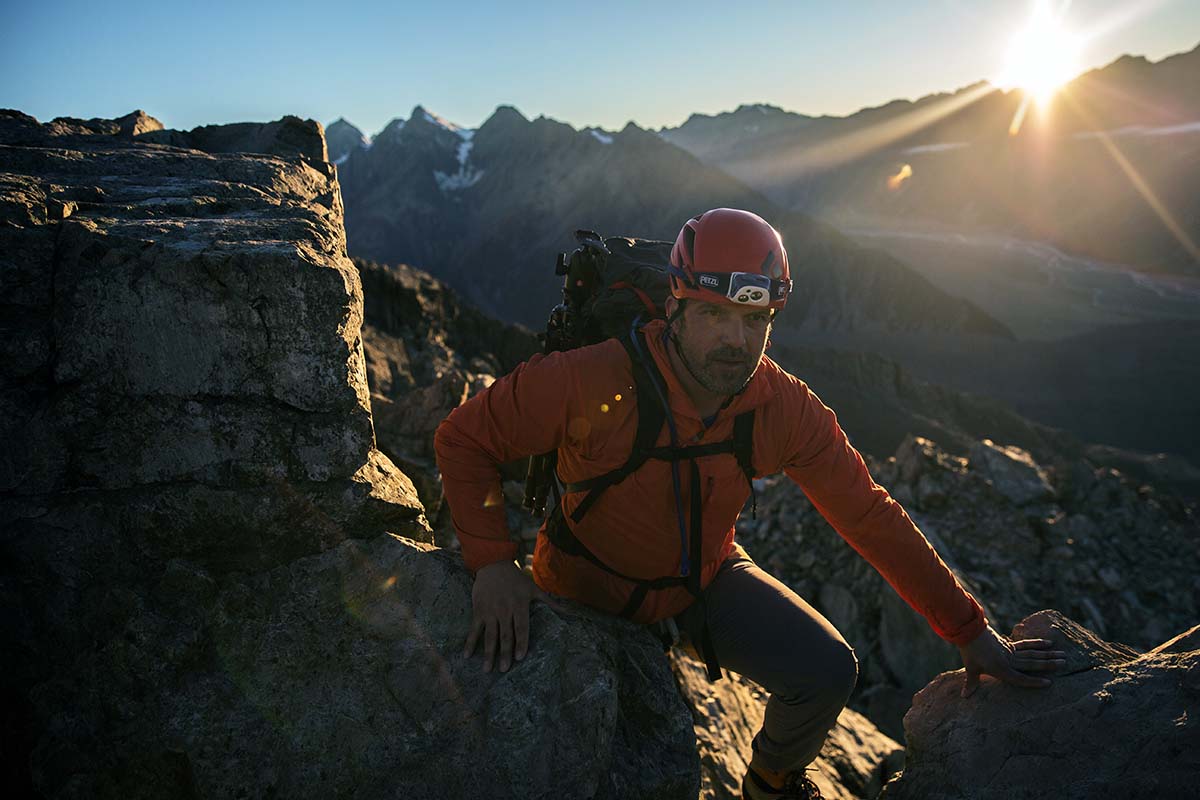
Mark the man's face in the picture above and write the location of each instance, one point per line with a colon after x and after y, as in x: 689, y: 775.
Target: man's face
x: 721, y: 344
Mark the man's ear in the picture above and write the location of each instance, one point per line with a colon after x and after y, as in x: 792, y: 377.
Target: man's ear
x: 671, y: 305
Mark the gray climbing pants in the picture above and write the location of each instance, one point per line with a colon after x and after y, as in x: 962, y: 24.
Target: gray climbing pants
x: 763, y: 630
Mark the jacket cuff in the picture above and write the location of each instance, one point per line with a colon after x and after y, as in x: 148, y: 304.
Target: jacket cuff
x: 478, y: 552
x: 966, y: 633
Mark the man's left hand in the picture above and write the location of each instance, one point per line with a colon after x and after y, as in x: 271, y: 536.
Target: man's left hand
x: 1020, y: 663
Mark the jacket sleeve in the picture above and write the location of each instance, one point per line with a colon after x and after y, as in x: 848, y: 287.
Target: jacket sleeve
x: 834, y: 477
x: 522, y: 414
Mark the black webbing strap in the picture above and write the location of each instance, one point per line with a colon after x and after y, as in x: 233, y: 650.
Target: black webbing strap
x: 562, y: 537
x: 696, y: 523
x: 695, y: 568
x: 651, y: 417
x: 743, y: 448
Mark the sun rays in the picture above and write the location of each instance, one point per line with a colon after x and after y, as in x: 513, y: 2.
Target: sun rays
x: 1043, y: 55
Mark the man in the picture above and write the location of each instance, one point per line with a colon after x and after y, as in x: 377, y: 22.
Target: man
x: 635, y: 549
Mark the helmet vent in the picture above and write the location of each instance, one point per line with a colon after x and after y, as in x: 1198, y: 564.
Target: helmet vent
x: 689, y: 236
x: 766, y: 266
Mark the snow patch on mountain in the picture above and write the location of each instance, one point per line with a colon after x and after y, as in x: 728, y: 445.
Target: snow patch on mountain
x: 603, y: 138
x: 466, y: 176
x: 440, y: 121
x: 464, y: 150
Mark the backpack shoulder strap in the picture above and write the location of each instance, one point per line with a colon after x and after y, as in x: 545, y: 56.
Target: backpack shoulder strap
x: 743, y: 448
x: 743, y: 442
x: 646, y: 380
x: 651, y: 417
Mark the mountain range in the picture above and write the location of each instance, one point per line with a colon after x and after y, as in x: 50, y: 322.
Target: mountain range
x: 487, y: 210
x: 1108, y: 169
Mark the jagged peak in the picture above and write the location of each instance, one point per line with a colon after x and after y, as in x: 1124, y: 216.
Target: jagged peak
x: 423, y: 115
x: 392, y: 129
x: 504, y: 118
x: 599, y: 134
x: 506, y: 112
x: 759, y: 108
x: 746, y: 111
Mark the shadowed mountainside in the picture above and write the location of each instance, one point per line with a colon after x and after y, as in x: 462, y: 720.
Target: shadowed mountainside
x: 487, y: 211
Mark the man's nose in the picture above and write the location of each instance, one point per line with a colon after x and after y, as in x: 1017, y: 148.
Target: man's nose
x: 734, y: 333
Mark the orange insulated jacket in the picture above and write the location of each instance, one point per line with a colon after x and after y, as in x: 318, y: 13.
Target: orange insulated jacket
x: 581, y: 402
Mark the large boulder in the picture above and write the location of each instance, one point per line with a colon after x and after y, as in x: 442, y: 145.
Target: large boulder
x: 342, y: 675
x: 1012, y: 471
x: 1114, y: 723
x: 183, y: 399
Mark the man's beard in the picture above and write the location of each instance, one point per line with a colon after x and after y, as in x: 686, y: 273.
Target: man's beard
x: 722, y: 371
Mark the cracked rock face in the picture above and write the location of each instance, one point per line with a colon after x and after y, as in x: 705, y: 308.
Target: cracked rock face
x: 1115, y: 723
x: 184, y: 400
x: 341, y: 675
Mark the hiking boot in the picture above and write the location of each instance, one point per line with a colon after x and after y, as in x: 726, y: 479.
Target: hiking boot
x: 796, y: 786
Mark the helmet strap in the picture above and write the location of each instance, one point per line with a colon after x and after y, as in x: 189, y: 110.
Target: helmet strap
x: 675, y: 342
x: 679, y: 304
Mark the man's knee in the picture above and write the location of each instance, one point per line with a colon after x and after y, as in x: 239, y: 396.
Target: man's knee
x: 827, y: 676
x: 844, y: 671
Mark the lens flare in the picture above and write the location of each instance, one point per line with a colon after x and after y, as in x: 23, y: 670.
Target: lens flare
x: 896, y: 181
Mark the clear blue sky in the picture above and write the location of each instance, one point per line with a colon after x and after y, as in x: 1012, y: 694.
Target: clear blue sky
x: 192, y: 63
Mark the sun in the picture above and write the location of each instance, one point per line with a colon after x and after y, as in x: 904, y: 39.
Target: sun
x: 1042, y: 56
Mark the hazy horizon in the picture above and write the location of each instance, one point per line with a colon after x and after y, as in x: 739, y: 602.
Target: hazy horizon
x: 655, y: 66
x: 949, y: 90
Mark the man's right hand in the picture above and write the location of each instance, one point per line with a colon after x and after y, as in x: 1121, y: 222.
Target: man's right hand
x: 500, y: 602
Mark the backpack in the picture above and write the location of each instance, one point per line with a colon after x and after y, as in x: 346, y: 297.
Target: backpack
x: 610, y: 286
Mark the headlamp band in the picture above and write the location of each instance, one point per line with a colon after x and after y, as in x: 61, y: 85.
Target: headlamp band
x: 744, y: 288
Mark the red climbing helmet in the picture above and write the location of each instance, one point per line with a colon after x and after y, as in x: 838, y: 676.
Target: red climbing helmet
x: 733, y: 256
